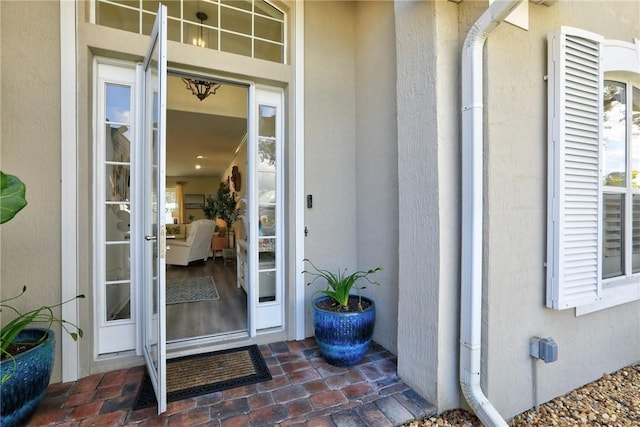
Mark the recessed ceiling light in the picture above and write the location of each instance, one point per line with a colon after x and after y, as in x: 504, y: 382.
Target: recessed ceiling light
x: 198, y: 166
x: 200, y: 156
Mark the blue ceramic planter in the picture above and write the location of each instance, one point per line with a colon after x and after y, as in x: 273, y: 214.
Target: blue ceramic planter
x: 343, y: 338
x: 24, y: 390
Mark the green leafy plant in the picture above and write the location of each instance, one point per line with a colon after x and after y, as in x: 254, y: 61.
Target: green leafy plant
x: 43, y: 315
x: 12, y: 200
x: 223, y: 206
x: 12, y: 196
x: 339, y: 284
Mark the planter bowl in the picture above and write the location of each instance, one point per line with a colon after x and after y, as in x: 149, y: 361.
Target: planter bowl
x: 343, y: 338
x: 27, y: 385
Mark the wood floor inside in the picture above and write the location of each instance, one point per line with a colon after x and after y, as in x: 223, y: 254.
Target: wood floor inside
x: 205, y: 318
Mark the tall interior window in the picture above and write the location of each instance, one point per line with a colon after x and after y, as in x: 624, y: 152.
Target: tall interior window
x: 620, y: 179
x: 244, y: 27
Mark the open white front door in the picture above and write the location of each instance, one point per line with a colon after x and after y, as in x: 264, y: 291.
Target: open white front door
x: 154, y: 248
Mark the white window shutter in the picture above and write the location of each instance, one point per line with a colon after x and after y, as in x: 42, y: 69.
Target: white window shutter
x: 575, y: 80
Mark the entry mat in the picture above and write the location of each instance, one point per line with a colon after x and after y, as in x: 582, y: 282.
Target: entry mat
x: 199, y: 374
x: 191, y: 289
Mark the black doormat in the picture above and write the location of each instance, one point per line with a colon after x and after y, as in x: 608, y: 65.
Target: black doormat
x: 199, y: 374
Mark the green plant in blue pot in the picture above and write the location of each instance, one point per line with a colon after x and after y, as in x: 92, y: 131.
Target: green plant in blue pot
x: 26, y: 350
x: 343, y: 322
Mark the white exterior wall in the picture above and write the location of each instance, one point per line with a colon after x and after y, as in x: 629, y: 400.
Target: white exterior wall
x: 516, y: 171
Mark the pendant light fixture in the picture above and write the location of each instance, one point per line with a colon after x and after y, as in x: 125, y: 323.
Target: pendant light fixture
x: 201, y: 88
x: 199, y: 41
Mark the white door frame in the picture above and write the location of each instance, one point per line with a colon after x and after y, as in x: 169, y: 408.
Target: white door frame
x: 70, y: 359
x: 68, y: 185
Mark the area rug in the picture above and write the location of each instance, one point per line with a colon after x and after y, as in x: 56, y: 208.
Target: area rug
x: 192, y: 376
x: 191, y: 289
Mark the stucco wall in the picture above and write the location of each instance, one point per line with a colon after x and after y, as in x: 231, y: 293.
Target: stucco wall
x: 330, y: 137
x: 515, y: 222
x: 30, y: 119
x: 418, y: 169
x: 377, y: 161
x: 428, y: 42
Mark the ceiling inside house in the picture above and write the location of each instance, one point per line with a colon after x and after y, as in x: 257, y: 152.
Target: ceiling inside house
x: 212, y: 128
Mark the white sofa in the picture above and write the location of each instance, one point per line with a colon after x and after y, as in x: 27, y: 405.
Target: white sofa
x: 196, y: 245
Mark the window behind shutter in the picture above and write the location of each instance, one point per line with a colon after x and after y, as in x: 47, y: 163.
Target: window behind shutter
x: 575, y: 110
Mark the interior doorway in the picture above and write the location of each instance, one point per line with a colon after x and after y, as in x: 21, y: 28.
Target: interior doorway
x: 207, y: 128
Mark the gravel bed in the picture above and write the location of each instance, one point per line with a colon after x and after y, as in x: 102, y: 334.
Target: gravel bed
x: 613, y: 400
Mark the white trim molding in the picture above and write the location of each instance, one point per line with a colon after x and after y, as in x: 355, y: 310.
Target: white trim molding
x: 299, y: 173
x: 68, y: 184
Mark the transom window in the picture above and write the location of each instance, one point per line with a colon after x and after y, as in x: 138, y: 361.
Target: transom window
x: 244, y: 27
x: 620, y: 179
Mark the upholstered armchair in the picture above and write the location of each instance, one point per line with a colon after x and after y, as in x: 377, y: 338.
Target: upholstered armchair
x: 196, y: 246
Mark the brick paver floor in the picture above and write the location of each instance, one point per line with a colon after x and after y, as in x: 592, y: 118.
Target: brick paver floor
x: 304, y: 391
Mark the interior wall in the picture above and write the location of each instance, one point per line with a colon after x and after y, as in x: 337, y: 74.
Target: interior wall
x: 239, y: 160
x: 516, y: 177
x: 330, y: 138
x: 31, y: 152
x: 203, y: 185
x: 376, y: 161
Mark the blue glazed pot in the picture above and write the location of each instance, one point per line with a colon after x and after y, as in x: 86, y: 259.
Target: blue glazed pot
x: 27, y: 385
x: 343, y: 338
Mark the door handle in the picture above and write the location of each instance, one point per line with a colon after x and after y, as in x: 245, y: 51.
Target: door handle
x: 150, y: 238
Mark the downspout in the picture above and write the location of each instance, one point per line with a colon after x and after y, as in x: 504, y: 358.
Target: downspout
x: 472, y: 210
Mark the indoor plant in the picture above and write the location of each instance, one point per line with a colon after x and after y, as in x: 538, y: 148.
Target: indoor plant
x: 27, y: 353
x: 343, y: 323
x: 223, y: 206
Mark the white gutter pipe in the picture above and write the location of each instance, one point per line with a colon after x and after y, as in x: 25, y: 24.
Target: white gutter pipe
x: 472, y: 210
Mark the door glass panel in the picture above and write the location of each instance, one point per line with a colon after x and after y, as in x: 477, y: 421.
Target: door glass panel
x: 117, y: 222
x: 117, y: 147
x: 267, y: 221
x: 117, y: 183
x: 267, y: 292
x: 613, y: 236
x: 267, y: 182
x: 267, y: 121
x: 117, y: 168
x: 267, y: 154
x: 117, y: 262
x: 267, y: 205
x: 118, y: 302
